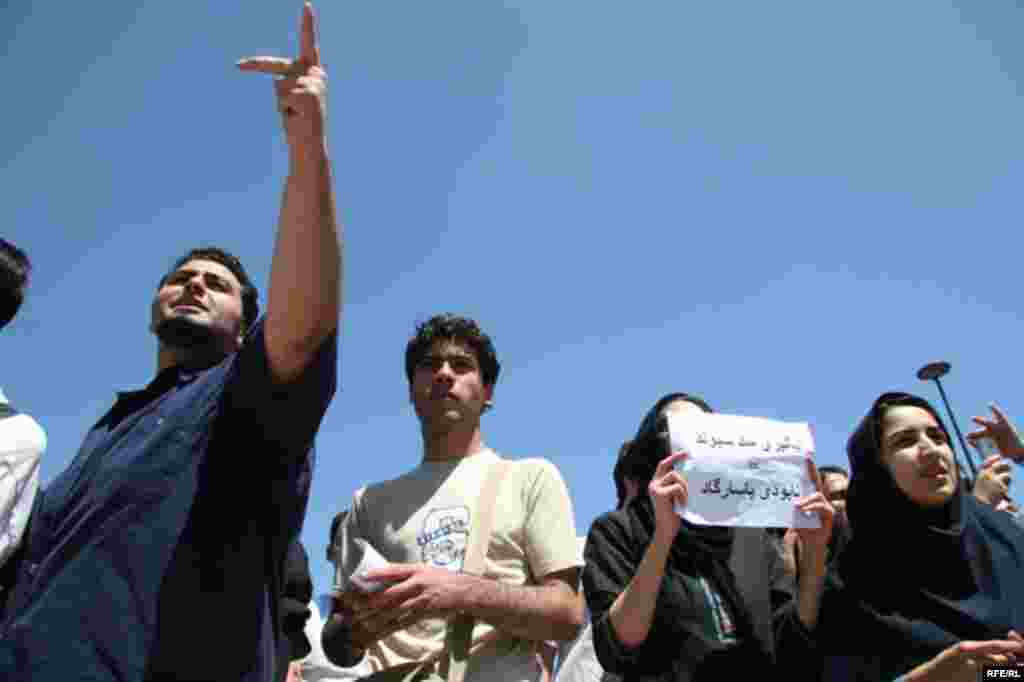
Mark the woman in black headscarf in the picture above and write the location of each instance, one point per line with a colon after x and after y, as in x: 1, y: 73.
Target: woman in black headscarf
x: 666, y: 598
x: 931, y: 586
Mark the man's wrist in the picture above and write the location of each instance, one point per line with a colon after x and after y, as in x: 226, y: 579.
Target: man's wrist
x: 468, y: 593
x: 307, y: 156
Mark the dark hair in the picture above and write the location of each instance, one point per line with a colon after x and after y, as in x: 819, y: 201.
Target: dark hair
x: 250, y: 296
x: 450, y: 327
x: 623, y: 469
x: 830, y: 469
x: 339, y: 519
x: 650, y: 444
x: 14, y: 270
x: 865, y: 444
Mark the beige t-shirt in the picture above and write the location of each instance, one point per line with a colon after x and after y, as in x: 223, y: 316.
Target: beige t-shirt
x: 425, y: 516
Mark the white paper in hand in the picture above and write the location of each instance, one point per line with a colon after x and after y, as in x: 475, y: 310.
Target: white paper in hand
x: 365, y: 558
x: 743, y: 471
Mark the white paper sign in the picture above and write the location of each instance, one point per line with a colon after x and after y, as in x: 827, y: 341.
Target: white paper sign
x: 366, y: 559
x: 743, y: 471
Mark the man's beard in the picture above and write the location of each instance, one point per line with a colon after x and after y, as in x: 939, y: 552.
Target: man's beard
x: 184, y: 333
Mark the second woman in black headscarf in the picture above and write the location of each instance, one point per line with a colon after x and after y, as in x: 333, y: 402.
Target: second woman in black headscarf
x: 666, y: 603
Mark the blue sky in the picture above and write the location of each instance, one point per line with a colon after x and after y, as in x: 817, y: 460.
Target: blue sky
x: 785, y: 207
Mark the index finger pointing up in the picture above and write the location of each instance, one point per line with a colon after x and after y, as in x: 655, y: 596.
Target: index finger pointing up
x: 309, y: 52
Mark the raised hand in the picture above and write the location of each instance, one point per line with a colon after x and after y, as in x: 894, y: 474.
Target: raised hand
x: 668, y: 489
x: 813, y: 550
x: 992, y: 485
x: 1001, y: 431
x: 814, y: 541
x: 301, y: 88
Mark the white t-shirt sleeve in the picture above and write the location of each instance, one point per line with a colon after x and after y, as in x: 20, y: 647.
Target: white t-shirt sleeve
x: 22, y: 442
x: 550, y: 527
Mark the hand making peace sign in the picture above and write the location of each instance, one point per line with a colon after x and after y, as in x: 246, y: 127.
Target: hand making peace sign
x: 301, y: 88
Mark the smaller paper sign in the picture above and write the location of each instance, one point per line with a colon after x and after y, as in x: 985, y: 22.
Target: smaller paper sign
x: 743, y: 471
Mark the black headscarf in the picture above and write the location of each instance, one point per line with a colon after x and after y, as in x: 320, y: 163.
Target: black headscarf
x: 698, y: 550
x: 920, y: 580
x: 650, y: 445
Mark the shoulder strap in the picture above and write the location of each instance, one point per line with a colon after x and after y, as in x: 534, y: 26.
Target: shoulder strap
x: 460, y: 628
x: 480, y: 532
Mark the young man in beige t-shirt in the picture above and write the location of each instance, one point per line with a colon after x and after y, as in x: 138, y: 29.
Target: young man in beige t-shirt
x: 421, y: 522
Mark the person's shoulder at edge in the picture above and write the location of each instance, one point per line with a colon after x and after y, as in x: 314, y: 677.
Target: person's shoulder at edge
x: 23, y: 437
x: 30, y: 434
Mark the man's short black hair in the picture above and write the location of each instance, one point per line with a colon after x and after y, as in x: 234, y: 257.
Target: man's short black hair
x: 336, y: 522
x: 450, y: 327
x: 250, y: 296
x: 830, y: 469
x: 14, y: 270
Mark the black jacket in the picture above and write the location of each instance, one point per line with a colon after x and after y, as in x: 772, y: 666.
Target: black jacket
x: 676, y: 649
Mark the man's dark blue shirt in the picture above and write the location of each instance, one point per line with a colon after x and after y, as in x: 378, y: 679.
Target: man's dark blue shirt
x: 158, y: 554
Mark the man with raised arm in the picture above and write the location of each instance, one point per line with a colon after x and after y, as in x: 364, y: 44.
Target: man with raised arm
x: 157, y: 555
x: 424, y: 522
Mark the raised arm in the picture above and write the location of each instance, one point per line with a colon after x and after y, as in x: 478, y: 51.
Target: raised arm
x: 813, y: 552
x: 632, y: 612
x: 632, y: 624
x: 305, y: 275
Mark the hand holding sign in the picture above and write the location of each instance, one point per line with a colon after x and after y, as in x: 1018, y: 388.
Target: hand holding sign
x: 814, y: 541
x: 668, y: 491
x: 301, y: 88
